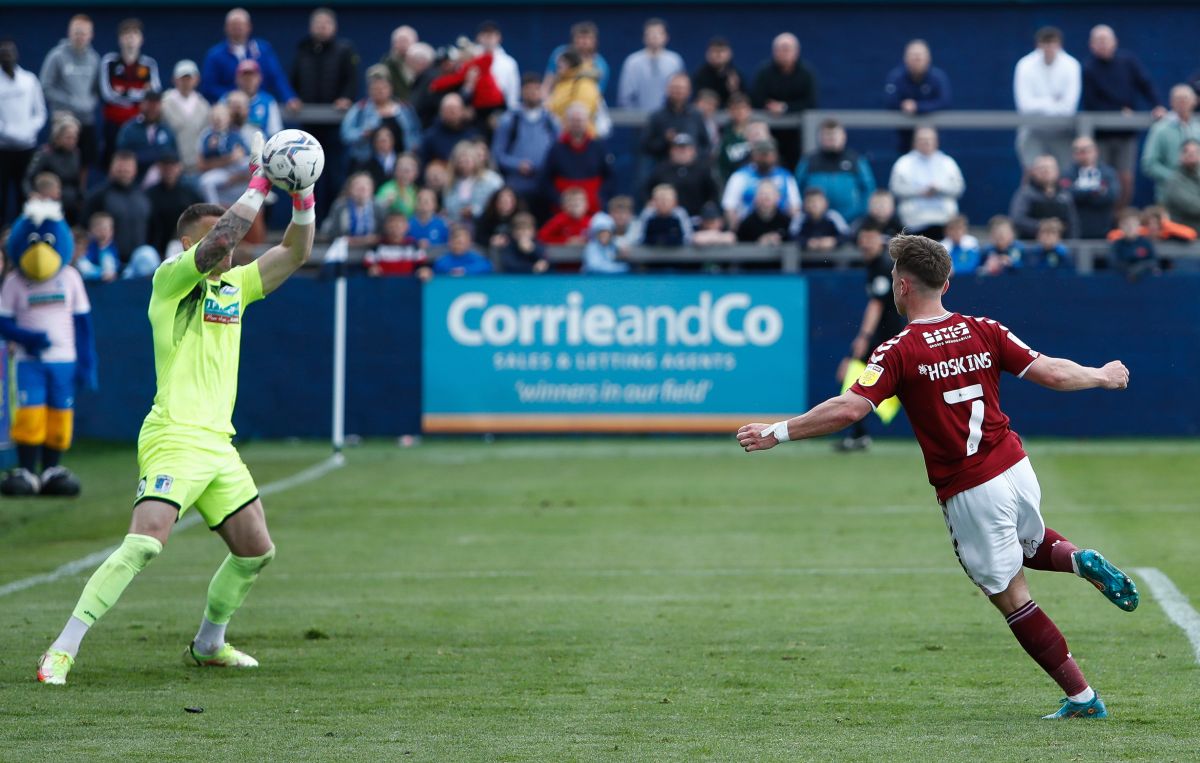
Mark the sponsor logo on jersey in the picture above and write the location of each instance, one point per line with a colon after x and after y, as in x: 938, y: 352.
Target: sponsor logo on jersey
x: 214, y: 313
x: 870, y: 375
x: 956, y: 366
x: 163, y: 483
x: 959, y: 332
x: 228, y: 290
x: 46, y: 300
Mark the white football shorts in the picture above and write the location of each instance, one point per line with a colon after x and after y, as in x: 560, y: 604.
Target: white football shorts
x: 994, y: 526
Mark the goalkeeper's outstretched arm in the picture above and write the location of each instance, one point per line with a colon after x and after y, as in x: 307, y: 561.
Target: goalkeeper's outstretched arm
x: 224, y: 237
x: 279, y: 262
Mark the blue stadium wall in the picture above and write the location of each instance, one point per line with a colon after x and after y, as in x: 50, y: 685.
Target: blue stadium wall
x: 851, y: 46
x: 285, y: 385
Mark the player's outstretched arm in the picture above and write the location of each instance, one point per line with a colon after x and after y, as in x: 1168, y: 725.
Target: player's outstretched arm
x: 233, y: 225
x: 279, y: 262
x: 1068, y: 376
x: 833, y: 415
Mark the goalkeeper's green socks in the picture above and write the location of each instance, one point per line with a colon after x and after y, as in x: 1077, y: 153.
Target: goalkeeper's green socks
x: 105, y: 586
x: 226, y: 593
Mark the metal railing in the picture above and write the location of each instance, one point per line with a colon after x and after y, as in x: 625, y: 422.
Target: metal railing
x: 809, y: 122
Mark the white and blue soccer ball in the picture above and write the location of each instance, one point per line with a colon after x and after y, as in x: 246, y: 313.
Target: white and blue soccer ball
x: 293, y: 159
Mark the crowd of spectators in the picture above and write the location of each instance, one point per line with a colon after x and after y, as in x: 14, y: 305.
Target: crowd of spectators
x: 452, y: 148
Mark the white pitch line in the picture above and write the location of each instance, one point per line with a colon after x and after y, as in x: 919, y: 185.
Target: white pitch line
x: 94, y: 559
x: 1179, y: 610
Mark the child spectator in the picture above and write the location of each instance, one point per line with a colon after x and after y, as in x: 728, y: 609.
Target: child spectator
x: 380, y: 163
x: 494, y: 225
x: 881, y: 213
x: 521, y: 252
x: 766, y: 224
x: 1049, y: 252
x: 712, y: 230
x: 222, y: 158
x: 1134, y: 253
x: 426, y: 225
x: 664, y: 222
x: 437, y: 178
x: 1157, y: 225
x: 398, y: 253
x: 627, y: 230
x: 460, y: 259
x: 819, y: 228
x: 356, y: 215
x: 600, y: 254
x: 472, y: 185
x: 399, y: 195
x: 99, y: 261
x: 569, y: 226
x: 962, y: 247
x: 1004, y: 252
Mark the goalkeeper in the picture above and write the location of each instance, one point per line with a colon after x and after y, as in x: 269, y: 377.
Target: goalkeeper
x: 185, y: 454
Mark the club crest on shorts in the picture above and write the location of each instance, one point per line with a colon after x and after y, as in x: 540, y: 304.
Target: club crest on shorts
x: 163, y: 483
x: 870, y: 375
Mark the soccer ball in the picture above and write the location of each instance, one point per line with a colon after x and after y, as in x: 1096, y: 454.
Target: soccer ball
x: 293, y: 159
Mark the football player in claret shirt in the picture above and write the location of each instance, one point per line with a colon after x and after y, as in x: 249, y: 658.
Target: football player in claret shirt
x: 945, y: 368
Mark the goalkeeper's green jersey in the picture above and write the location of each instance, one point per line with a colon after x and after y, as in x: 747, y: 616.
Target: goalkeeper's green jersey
x: 197, y: 326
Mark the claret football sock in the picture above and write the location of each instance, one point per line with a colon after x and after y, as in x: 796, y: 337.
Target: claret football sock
x: 226, y: 592
x: 1053, y: 555
x: 1040, y: 637
x: 105, y: 586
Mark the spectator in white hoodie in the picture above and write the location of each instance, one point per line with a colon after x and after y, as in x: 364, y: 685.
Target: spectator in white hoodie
x: 1047, y: 81
x: 927, y: 184
x: 22, y: 114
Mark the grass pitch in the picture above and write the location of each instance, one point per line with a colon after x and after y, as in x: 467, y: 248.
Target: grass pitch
x: 607, y: 600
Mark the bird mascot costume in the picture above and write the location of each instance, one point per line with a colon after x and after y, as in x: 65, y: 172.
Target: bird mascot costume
x: 45, y: 314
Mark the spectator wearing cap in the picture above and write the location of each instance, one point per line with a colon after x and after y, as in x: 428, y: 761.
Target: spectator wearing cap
x: 916, y: 87
x: 645, y: 73
x: 168, y: 198
x: 263, y: 108
x: 738, y: 198
x: 22, y: 114
x: 785, y: 85
x: 61, y: 157
x: 1115, y: 80
x: 691, y: 176
x: 325, y: 69
x: 396, y: 61
x: 505, y: 73
x: 379, y: 109
x: 585, y: 38
x: 676, y: 117
x: 146, y: 135
x: 843, y: 175
x: 522, y: 139
x: 70, y: 79
x: 578, y: 160
x: 927, y: 184
x: 451, y: 128
x: 221, y: 62
x: 1047, y: 81
x: 718, y: 72
x: 186, y: 112
x: 126, y: 75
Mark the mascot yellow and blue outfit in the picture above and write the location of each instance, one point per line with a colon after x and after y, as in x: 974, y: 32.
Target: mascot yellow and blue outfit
x: 45, y: 313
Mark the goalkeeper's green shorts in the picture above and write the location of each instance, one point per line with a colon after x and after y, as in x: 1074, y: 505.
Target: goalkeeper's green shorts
x: 188, y: 466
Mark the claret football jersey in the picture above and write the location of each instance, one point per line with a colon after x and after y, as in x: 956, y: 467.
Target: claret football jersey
x: 946, y: 372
